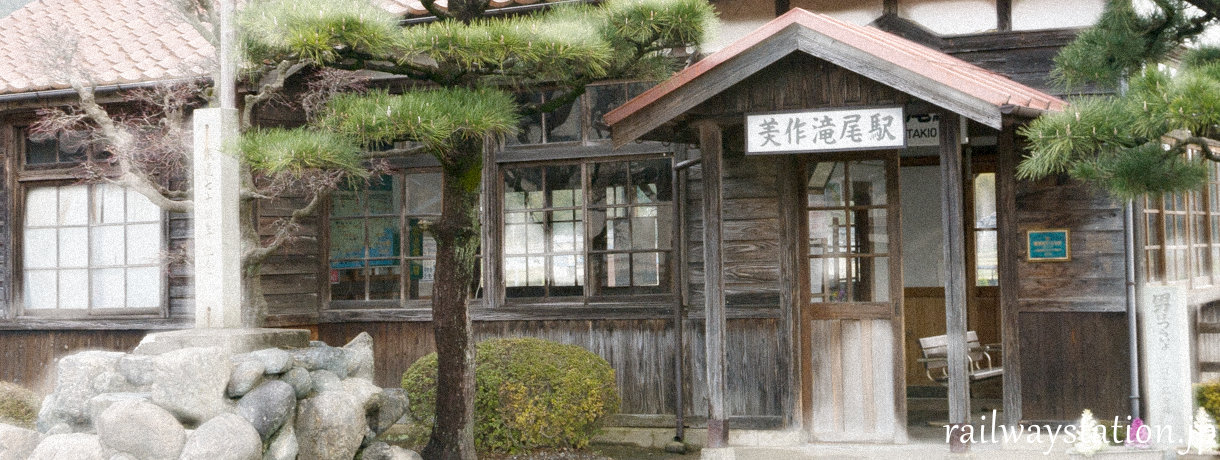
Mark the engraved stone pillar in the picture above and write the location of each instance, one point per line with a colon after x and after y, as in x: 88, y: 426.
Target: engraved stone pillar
x: 217, y: 231
x: 1165, y: 321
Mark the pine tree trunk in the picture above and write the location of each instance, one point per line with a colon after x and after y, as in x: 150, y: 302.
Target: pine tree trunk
x: 253, y: 304
x: 457, y: 243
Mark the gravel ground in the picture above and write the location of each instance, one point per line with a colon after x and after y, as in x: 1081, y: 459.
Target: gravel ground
x: 600, y: 452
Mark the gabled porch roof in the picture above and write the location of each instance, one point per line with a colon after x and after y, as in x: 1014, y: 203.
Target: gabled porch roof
x: 928, y: 74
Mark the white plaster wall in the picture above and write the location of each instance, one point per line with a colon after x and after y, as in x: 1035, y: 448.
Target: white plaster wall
x: 950, y: 17
x: 738, y: 18
x: 856, y: 12
x: 1055, y: 14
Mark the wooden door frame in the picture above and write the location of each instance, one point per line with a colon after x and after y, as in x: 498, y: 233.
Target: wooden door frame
x: 795, y: 208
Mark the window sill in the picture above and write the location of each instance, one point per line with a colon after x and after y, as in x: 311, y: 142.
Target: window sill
x: 96, y: 323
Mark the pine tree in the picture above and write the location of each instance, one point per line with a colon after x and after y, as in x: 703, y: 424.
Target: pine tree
x: 464, y: 67
x: 1158, y: 134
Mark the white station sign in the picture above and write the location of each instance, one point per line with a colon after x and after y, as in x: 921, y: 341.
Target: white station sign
x: 825, y: 130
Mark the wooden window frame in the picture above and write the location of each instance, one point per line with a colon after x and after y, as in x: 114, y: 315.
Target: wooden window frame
x: 1200, y: 245
x: 402, y: 302
x: 27, y: 177
x: 587, y: 297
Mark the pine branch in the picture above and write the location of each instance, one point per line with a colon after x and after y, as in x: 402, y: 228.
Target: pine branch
x: 286, y: 231
x: 269, y: 87
x: 122, y: 143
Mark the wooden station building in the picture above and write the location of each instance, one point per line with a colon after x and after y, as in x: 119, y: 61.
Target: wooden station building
x: 757, y: 242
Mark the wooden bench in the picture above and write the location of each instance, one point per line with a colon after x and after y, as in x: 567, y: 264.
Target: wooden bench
x: 936, y: 364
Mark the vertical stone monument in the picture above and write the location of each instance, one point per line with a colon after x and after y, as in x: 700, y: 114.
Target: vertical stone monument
x: 1165, y: 321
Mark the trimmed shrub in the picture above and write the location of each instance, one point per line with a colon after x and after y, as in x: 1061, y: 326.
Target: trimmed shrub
x: 530, y: 394
x: 1207, y: 396
x: 18, y: 406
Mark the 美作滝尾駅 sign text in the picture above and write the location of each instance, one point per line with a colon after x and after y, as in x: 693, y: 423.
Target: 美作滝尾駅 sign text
x: 825, y: 130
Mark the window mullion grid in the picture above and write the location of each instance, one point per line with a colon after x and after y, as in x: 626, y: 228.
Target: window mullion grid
x: 586, y: 250
x: 404, y: 271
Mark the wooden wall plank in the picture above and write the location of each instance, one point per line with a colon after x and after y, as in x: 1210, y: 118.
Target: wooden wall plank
x: 29, y: 357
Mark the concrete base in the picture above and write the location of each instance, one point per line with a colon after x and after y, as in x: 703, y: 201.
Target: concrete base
x: 658, y: 438
x: 719, y: 453
x: 232, y: 341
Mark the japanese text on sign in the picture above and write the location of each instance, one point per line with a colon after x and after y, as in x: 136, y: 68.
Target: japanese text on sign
x: 825, y: 130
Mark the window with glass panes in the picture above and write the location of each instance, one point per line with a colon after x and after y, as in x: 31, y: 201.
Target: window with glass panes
x: 380, y: 244
x: 848, y: 231
x: 587, y: 229
x: 986, y: 247
x: 94, y: 248
x: 1181, y: 234
x: 65, y: 149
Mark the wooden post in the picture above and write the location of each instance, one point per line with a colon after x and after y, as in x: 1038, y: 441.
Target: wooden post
x: 490, y: 215
x: 955, y: 275
x: 713, y: 275
x: 1009, y: 252
x: 1003, y: 15
x: 791, y: 298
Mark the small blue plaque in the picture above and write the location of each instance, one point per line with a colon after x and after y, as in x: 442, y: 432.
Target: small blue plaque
x: 1048, y: 245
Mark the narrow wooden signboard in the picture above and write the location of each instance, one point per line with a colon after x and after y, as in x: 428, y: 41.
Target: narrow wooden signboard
x: 865, y: 128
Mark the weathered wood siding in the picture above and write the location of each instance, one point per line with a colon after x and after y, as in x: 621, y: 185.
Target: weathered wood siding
x: 641, y: 352
x: 1071, y: 315
x: 292, y: 278
x: 28, y: 358
x: 852, y: 379
x: 751, y: 234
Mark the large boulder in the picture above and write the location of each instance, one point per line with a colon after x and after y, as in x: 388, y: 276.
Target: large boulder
x: 275, y: 360
x: 74, y: 387
x: 191, y: 382
x: 393, y: 407
x: 319, y: 356
x: 100, y: 403
x: 71, y: 446
x: 330, y: 425
x: 383, y: 451
x: 246, y: 375
x: 324, y: 380
x: 267, y: 407
x: 137, y: 369
x: 142, y: 429
x: 224, y: 437
x: 283, y: 445
x: 17, y: 443
x: 300, y: 380
x: 358, y: 357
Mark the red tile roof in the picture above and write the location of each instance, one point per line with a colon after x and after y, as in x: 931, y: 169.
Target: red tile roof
x: 122, y: 41
x: 118, y: 41
x: 867, y: 45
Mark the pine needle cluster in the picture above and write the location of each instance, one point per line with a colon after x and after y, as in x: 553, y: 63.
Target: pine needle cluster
x: 1155, y: 137
x: 473, y: 62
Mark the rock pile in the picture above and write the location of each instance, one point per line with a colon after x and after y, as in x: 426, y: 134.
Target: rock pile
x: 317, y: 402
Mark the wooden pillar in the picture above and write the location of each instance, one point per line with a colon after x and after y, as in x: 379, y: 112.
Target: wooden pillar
x: 1003, y: 15
x: 1009, y: 253
x: 490, y: 221
x: 713, y: 275
x: 792, y: 207
x: 955, y: 274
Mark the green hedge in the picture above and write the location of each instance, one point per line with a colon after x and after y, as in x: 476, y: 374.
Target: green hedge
x: 530, y: 393
x: 1207, y: 396
x: 18, y: 406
